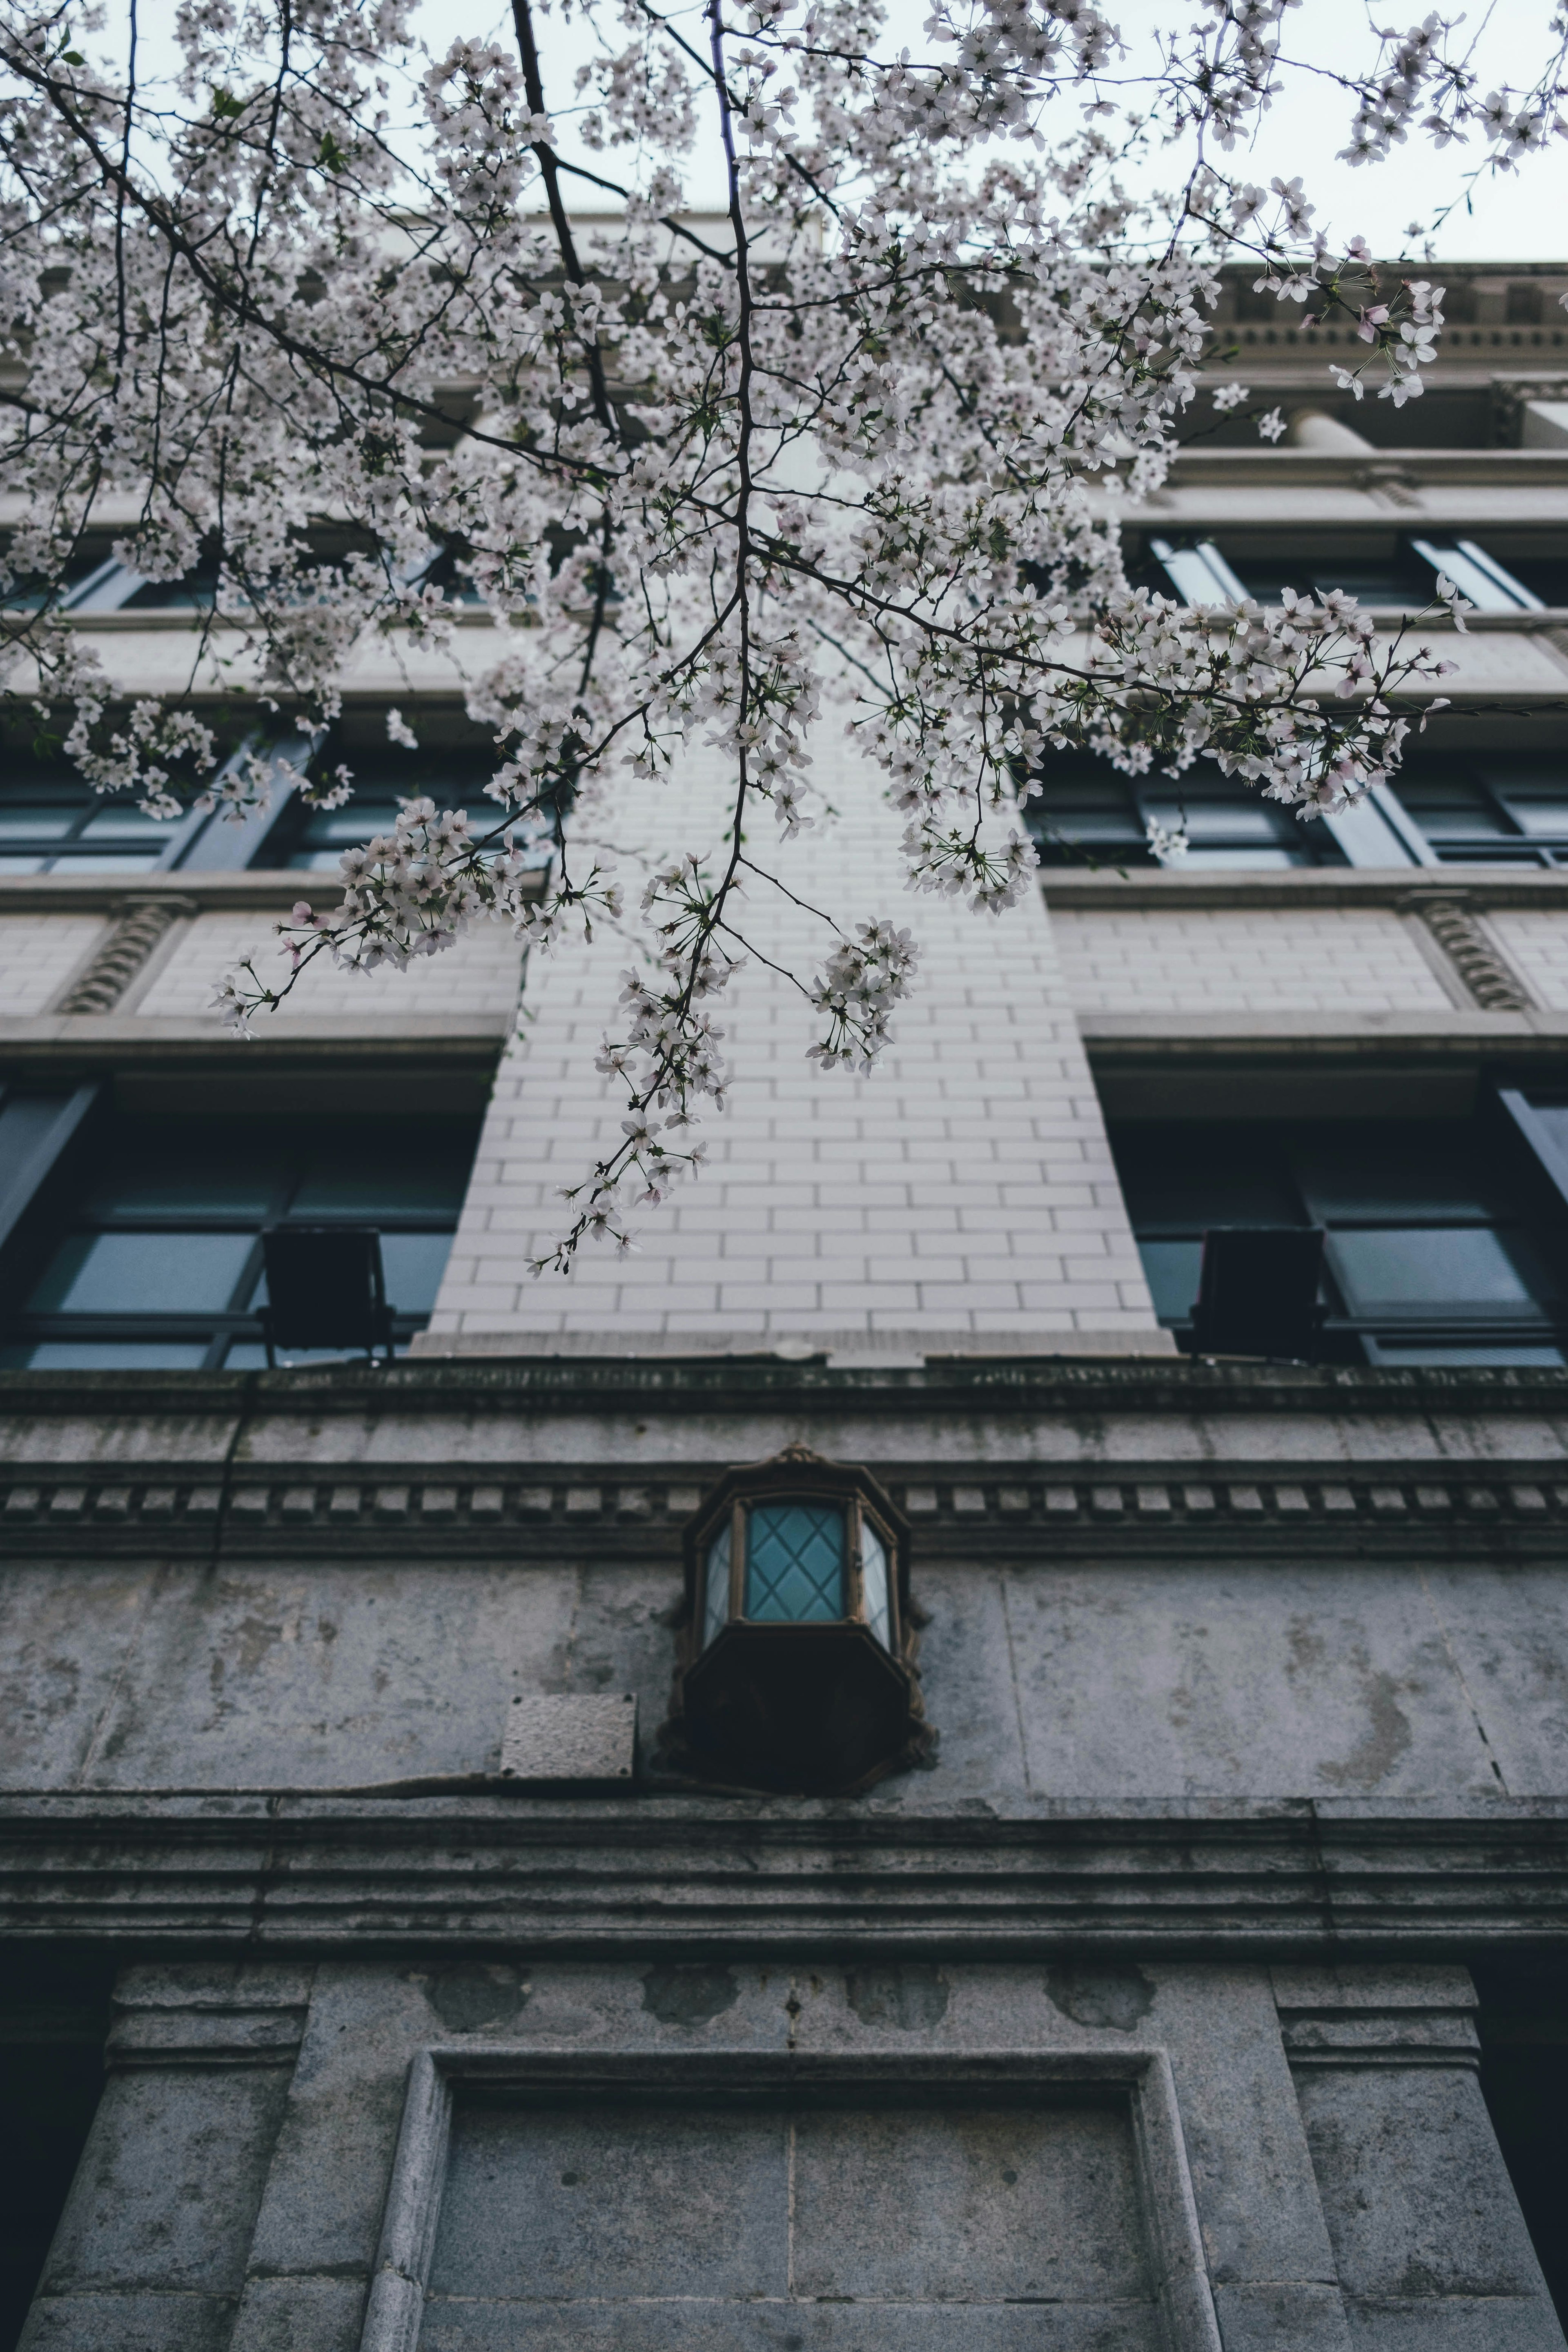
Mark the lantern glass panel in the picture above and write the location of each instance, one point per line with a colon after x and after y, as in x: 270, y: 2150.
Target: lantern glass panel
x: 874, y: 1577
x: 795, y: 1561
x: 715, y: 1590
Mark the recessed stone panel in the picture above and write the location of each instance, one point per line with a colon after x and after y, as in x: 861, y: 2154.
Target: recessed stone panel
x: 828, y: 2227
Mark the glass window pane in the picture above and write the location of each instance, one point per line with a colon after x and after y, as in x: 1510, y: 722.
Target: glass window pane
x: 795, y: 1561
x: 716, y: 1585
x: 1553, y: 1118
x: 348, y: 826
x: 1239, y: 821
x: 123, y: 821
x: 1417, y: 1352
x: 142, y: 1274
x: 35, y: 824
x: 375, y: 1170
x: 1213, y: 1173
x: 1171, y: 1271
x: 22, y: 865
x: 103, y: 861
x: 412, y: 1265
x: 1532, y: 815
x: 874, y: 1576
x: 1416, y: 1169
x: 1465, y: 1267
x: 190, y: 1167
x: 112, y: 1355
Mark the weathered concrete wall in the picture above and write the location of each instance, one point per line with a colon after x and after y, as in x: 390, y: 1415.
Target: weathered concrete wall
x: 1117, y: 1680
x: 1232, y: 1672
x: 893, y: 2156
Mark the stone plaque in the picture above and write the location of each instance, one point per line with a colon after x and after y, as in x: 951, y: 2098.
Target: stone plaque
x: 570, y: 1737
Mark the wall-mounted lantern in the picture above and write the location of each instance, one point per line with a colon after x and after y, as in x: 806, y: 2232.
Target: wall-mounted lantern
x: 797, y: 1639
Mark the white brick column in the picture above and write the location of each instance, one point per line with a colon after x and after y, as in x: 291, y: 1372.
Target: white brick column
x: 964, y: 1193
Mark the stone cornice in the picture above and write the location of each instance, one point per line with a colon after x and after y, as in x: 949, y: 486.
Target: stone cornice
x: 273, y: 888
x: 289, y: 1871
x: 1403, y: 889
x: 541, y: 1382
x: 1023, y: 1511
x: 1543, y: 469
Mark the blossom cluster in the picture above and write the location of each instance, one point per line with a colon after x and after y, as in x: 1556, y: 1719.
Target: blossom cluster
x: 870, y: 437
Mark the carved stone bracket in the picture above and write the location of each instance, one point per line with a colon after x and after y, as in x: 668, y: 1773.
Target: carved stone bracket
x: 121, y: 955
x: 1491, y: 982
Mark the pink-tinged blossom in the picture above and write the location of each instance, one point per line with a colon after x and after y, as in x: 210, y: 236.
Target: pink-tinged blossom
x: 869, y: 445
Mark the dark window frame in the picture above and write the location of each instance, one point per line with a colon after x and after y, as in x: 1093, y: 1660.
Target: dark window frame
x: 1533, y: 1227
x: 1154, y: 795
x: 1509, y: 845
x: 55, y: 1210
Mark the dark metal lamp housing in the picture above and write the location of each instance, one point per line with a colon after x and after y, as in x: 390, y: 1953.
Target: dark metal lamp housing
x: 797, y: 1663
x: 1258, y: 1292
x: 324, y: 1288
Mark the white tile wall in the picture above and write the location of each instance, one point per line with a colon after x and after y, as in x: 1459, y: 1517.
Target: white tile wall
x: 38, y: 953
x: 1535, y: 942
x: 480, y: 974
x: 965, y: 1187
x: 1252, y: 959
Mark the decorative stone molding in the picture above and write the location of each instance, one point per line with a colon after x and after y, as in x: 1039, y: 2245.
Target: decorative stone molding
x: 1510, y: 394
x: 116, y: 961
x: 1495, y: 986
x: 265, y: 1871
x: 1389, y: 485
x: 1020, y: 1511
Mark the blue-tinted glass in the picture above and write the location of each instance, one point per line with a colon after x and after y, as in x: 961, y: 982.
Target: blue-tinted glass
x: 123, y: 821
x: 111, y: 1355
x: 1417, y: 1353
x: 1466, y: 1267
x: 716, y: 1599
x: 1171, y: 1271
x: 168, y: 1169
x: 375, y: 1172
x: 36, y: 824
x: 142, y: 1274
x: 795, y: 1561
x: 1413, y: 1169
x: 874, y: 1576
x: 107, y: 861
x: 412, y: 1265
x: 345, y: 829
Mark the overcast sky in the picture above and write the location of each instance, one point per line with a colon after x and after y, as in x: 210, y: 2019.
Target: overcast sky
x: 1520, y: 216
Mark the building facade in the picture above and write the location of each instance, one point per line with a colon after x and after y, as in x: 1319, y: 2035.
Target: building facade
x: 394, y: 1953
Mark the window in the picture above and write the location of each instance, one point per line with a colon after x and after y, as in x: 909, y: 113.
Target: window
x: 1524, y: 2027
x: 1398, y: 577
x: 55, y: 2007
x: 1089, y: 812
x: 1493, y: 809
x: 52, y: 820
x: 312, y: 840
x: 148, y: 1248
x: 1444, y: 1244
